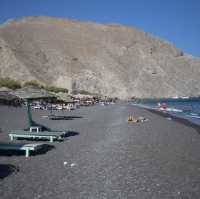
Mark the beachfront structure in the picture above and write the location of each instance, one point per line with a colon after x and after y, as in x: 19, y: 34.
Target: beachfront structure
x: 85, y: 100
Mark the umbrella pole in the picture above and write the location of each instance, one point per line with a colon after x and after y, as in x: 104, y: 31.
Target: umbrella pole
x: 50, y: 101
x: 30, y: 121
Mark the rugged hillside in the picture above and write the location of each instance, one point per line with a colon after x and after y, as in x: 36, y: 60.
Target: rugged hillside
x: 114, y: 60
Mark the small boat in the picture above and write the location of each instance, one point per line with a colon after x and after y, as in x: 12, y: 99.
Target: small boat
x: 175, y: 97
x: 174, y: 110
x: 162, y: 106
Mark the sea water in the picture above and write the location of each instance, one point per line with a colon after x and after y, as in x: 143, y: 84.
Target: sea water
x: 185, y: 108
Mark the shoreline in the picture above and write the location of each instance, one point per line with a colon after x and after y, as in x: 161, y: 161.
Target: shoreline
x: 176, y: 119
x: 181, y: 120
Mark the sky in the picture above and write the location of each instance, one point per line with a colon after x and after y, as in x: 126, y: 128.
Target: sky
x: 177, y: 21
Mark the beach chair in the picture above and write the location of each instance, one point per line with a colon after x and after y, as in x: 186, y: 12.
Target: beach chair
x: 35, y: 132
x: 20, y: 147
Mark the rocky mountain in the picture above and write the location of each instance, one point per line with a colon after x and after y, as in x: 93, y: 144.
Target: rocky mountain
x: 113, y: 60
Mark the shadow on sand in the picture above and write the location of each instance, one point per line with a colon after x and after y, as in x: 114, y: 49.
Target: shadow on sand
x: 7, y: 169
x: 45, y: 128
x: 62, y: 117
x: 71, y: 134
x: 43, y: 150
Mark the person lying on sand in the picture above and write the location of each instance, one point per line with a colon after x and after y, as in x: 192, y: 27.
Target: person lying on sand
x: 132, y: 119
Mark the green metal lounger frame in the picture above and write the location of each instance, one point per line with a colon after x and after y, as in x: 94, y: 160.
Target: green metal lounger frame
x: 20, y: 147
x: 49, y: 135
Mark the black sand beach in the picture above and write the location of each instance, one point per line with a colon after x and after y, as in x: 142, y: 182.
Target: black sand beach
x: 104, y: 157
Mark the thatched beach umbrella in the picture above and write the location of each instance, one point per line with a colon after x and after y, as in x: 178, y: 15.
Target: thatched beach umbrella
x: 5, y: 89
x: 6, y: 97
x: 64, y: 97
x: 83, y: 96
x: 30, y: 94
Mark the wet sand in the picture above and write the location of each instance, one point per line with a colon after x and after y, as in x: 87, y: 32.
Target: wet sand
x: 104, y: 157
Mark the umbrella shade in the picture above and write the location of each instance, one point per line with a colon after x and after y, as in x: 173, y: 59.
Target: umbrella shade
x: 5, y: 89
x: 64, y: 97
x: 29, y: 93
x: 32, y: 93
x: 4, y: 95
x: 81, y: 96
x: 7, y: 98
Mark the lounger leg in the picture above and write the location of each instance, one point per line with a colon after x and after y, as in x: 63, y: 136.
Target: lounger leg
x: 11, y: 137
x: 27, y: 153
x: 51, y: 139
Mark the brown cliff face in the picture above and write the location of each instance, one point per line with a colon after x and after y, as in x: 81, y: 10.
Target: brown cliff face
x: 113, y: 60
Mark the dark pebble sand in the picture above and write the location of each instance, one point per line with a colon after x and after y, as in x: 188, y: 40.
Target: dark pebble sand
x: 104, y: 157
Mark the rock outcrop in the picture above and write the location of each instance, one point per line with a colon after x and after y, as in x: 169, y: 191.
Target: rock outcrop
x: 113, y: 60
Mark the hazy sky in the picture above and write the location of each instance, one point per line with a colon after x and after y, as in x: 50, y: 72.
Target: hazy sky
x: 177, y: 21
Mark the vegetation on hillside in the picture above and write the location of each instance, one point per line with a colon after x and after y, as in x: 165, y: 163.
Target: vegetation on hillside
x: 32, y: 83
x: 9, y: 83
x: 56, y: 89
x: 14, y: 84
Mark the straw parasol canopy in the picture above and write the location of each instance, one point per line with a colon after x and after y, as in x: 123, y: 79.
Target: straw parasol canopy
x: 64, y: 97
x: 5, y: 89
x: 6, y: 97
x: 82, y: 96
x: 29, y: 93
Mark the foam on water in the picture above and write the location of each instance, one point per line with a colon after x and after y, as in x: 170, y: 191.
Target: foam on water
x: 184, y: 108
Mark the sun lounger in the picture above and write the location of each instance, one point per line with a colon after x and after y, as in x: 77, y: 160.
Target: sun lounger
x: 49, y: 135
x: 20, y: 147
